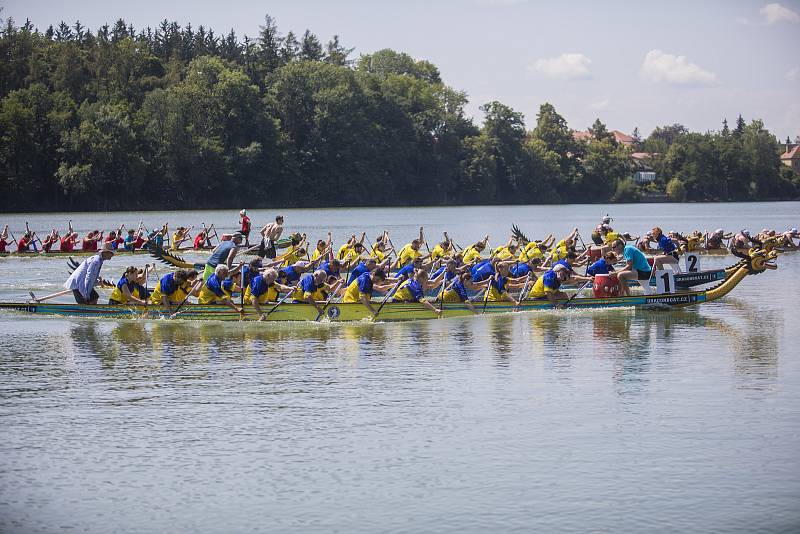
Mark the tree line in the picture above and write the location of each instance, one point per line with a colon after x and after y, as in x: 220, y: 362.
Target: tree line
x: 180, y: 117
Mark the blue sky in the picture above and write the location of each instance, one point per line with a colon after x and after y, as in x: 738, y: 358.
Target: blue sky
x: 631, y: 63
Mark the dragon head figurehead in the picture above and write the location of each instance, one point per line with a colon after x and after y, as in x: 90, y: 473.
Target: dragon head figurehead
x: 518, y: 235
x: 770, y: 243
x: 760, y: 260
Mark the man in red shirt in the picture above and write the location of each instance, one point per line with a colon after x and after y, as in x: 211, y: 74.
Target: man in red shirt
x: 245, y: 222
x: 24, y: 242
x: 140, y: 240
x: 89, y: 242
x: 50, y: 239
x: 68, y: 242
x: 113, y: 240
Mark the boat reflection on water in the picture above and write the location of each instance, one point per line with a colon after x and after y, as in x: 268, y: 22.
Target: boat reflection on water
x: 633, y: 340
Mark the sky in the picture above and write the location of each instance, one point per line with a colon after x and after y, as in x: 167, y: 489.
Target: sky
x: 629, y: 63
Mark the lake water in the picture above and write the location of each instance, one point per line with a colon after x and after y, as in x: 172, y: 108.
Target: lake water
x: 556, y: 421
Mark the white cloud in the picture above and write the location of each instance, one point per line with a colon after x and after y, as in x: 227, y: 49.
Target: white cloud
x: 564, y: 67
x: 599, y: 104
x: 775, y: 13
x: 793, y: 75
x: 659, y: 66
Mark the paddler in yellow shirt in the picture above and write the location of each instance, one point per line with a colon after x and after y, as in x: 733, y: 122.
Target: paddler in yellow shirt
x: 472, y: 254
x: 562, y: 248
x: 381, y: 247
x: 179, y: 236
x: 410, y: 251
x: 443, y: 250
x: 507, y: 252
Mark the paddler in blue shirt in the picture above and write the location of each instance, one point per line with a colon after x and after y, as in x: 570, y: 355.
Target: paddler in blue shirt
x: 173, y: 288
x: 362, y: 288
x: 669, y: 252
x: 224, y: 253
x: 549, y: 285
x: 365, y: 266
x: 312, y: 289
x: 414, y: 289
x: 405, y: 272
x: 129, y: 288
x: 214, y: 290
x: 291, y: 275
x: 263, y: 288
x: 331, y: 267
x: 500, y: 284
x: 456, y: 291
x: 604, y: 265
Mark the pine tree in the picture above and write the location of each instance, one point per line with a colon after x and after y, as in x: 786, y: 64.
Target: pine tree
x: 310, y: 48
x: 269, y: 46
x: 290, y: 48
x: 725, y: 130
x: 336, y: 53
x: 740, y: 125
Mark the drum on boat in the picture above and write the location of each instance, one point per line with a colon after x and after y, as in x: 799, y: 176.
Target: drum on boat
x: 594, y: 254
x: 606, y: 285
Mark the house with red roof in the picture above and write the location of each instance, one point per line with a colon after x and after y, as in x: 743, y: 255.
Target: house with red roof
x: 791, y: 158
x: 619, y: 137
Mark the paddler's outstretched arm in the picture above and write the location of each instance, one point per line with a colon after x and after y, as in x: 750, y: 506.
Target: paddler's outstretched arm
x: 431, y: 307
x: 366, y: 302
x: 258, y: 309
x: 228, y: 302
x: 130, y: 297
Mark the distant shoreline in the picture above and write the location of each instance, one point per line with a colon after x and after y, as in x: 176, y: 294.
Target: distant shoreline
x: 396, y: 206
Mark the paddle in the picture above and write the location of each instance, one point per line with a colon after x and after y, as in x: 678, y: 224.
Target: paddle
x: 48, y: 297
x: 524, y: 292
x: 582, y: 243
x: 576, y: 293
x: 394, y: 250
x: 442, y: 290
x: 328, y: 301
x: 486, y: 296
x: 241, y: 288
x: 189, y: 294
x: 386, y: 299
x: 288, y: 294
x: 146, y: 291
x: 32, y: 241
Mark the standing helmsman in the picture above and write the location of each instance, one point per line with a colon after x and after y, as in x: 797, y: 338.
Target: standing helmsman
x: 223, y: 254
x: 83, y: 280
x: 244, y: 220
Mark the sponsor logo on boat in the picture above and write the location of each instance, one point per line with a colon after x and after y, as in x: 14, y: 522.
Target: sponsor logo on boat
x: 711, y: 276
x: 677, y: 299
x: 333, y: 312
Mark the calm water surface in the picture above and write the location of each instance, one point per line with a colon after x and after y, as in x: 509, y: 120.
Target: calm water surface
x: 560, y: 421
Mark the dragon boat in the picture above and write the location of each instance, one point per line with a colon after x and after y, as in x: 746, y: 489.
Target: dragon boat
x: 168, y: 256
x: 757, y: 262
x: 85, y: 253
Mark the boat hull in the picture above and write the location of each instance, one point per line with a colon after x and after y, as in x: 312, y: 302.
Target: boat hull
x: 393, y: 311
